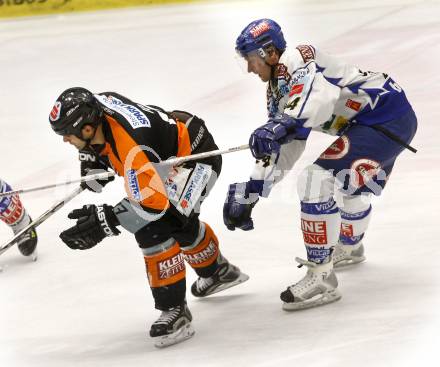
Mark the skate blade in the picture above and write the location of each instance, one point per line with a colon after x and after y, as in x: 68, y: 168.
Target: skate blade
x: 179, y: 336
x: 241, y: 279
x: 349, y: 261
x: 318, y: 300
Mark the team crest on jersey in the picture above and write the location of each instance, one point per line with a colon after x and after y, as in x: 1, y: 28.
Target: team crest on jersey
x: 131, y: 113
x: 307, y: 52
x: 337, y: 150
x: 56, y: 110
x: 364, y: 170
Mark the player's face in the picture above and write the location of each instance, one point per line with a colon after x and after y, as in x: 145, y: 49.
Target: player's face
x: 257, y: 65
x: 75, y: 141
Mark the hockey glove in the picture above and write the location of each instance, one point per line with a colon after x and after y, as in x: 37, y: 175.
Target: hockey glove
x: 94, y: 223
x: 90, y: 165
x: 241, y: 199
x: 281, y: 129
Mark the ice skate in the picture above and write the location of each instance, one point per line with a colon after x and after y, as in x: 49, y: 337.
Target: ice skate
x: 27, y: 244
x: 172, y: 327
x: 318, y: 287
x: 226, y: 276
x: 345, y: 255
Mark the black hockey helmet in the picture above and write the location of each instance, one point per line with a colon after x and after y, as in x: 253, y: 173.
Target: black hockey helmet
x: 73, y: 109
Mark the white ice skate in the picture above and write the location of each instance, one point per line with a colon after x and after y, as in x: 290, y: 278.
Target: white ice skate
x: 226, y: 276
x: 318, y: 287
x: 345, y: 255
x: 172, y: 327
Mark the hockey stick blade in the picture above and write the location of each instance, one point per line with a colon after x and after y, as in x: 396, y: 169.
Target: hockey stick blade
x: 48, y: 213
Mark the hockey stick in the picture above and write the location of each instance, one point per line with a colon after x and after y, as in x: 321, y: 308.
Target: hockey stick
x: 102, y: 176
x: 48, y: 213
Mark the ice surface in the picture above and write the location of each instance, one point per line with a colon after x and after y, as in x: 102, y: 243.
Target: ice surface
x: 94, y: 308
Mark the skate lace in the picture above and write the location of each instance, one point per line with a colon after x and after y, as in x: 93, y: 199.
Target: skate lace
x: 167, y: 317
x: 204, y: 283
x: 308, y: 280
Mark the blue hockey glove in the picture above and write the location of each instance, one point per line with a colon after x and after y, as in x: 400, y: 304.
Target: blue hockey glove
x: 241, y: 199
x: 281, y: 129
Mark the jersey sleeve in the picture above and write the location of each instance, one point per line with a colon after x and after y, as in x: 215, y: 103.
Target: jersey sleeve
x: 273, y: 169
x: 310, y: 97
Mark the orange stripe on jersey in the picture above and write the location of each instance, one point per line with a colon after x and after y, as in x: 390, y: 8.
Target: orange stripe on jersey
x: 184, y: 143
x: 142, y: 182
x: 205, y: 253
x: 165, y: 268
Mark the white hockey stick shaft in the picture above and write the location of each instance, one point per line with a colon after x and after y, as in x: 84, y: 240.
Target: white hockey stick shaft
x: 105, y: 175
x: 48, y: 213
x: 179, y: 160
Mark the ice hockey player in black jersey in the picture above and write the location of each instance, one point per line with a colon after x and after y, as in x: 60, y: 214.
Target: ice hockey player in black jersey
x: 161, y: 209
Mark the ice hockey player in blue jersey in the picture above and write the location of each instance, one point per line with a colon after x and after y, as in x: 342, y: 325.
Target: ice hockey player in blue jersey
x: 310, y: 90
x: 13, y: 213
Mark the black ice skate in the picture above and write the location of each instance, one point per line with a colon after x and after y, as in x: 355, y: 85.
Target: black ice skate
x: 172, y: 327
x: 226, y: 276
x: 27, y: 244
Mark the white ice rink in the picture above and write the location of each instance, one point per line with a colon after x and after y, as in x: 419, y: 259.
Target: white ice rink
x: 94, y: 308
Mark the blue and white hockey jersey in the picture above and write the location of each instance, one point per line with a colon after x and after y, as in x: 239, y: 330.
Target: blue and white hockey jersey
x: 325, y: 94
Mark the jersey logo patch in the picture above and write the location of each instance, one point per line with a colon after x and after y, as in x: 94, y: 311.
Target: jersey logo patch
x: 365, y: 169
x: 307, y: 52
x: 131, y: 113
x: 337, y: 150
x: 296, y: 89
x: 133, y: 184
x: 353, y: 105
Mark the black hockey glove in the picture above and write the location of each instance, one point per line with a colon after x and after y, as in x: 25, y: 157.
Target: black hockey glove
x: 90, y: 165
x: 94, y: 223
x: 241, y: 199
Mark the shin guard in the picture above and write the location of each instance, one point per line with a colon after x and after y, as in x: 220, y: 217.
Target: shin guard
x: 166, y: 274
x: 203, y: 253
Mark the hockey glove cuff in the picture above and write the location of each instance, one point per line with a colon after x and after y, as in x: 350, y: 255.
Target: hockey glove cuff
x: 94, y: 223
x: 241, y: 199
x: 281, y: 129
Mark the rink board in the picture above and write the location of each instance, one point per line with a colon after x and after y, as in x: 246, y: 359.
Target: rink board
x: 19, y: 8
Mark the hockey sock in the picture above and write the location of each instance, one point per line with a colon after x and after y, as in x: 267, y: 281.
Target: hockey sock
x: 355, y: 215
x: 166, y: 274
x: 12, y: 211
x: 320, y: 224
x: 203, y: 253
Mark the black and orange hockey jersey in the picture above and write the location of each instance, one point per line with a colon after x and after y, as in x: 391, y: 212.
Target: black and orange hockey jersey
x: 139, y: 135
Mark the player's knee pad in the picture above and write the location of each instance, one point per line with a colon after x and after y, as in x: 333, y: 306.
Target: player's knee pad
x: 355, y: 216
x: 315, y: 184
x: 164, y: 264
x: 204, y: 250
